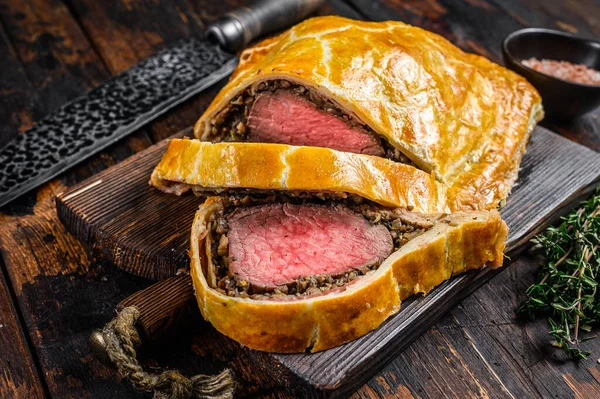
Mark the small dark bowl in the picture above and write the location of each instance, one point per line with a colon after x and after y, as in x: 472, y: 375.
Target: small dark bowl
x: 561, y: 99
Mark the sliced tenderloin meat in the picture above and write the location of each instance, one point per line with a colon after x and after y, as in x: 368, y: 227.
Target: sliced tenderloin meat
x: 286, y: 118
x: 274, y: 244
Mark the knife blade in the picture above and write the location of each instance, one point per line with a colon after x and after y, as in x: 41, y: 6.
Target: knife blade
x: 131, y: 99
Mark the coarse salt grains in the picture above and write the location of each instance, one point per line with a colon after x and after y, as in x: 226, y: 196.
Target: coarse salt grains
x: 577, y: 73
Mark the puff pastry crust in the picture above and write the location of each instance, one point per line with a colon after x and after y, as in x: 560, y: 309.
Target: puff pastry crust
x: 456, y: 115
x: 463, y: 241
x: 193, y: 163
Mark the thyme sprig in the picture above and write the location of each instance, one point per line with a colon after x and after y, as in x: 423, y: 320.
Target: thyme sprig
x: 567, y: 282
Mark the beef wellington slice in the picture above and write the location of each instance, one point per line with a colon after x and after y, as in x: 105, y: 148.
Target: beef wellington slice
x: 288, y: 274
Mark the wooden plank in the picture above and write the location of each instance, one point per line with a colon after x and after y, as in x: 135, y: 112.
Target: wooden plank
x: 15, y: 88
x: 64, y: 291
x: 152, y: 250
x: 518, y: 351
x: 64, y: 295
x: 49, y: 62
x: 574, y: 16
x: 492, y: 343
x: 52, y: 50
x: 19, y: 377
x: 127, y: 219
x: 473, y: 351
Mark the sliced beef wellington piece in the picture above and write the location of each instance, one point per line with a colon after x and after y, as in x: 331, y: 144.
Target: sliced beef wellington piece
x: 206, y: 168
x: 385, y: 89
x: 288, y: 274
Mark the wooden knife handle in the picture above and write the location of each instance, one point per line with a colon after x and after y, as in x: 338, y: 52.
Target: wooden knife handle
x: 163, y: 306
x: 234, y: 30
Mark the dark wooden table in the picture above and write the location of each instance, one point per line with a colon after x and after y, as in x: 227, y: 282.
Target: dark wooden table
x: 53, y: 293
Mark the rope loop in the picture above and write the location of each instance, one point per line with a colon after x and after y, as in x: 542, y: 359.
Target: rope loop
x: 120, y: 339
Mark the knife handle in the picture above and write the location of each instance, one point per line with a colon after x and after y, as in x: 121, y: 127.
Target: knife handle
x: 163, y: 307
x: 234, y: 30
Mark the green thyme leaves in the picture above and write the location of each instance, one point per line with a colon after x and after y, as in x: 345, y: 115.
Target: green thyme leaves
x: 567, y: 283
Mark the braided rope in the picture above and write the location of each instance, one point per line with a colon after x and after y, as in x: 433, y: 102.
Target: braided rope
x: 121, y: 339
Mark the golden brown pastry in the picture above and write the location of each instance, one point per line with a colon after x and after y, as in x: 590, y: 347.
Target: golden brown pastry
x: 452, y: 114
x: 263, y: 308
x: 214, y: 167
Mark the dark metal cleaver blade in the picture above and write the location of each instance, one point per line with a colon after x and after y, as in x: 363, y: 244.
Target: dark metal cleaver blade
x: 133, y: 98
x: 109, y: 112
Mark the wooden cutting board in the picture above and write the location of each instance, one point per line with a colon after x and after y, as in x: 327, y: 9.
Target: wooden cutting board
x: 146, y: 232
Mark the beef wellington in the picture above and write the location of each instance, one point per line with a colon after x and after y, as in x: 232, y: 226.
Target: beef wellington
x: 385, y: 89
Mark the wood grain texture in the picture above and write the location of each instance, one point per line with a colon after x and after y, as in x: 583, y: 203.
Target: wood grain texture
x: 52, y: 50
x: 15, y: 88
x: 162, y: 243
x: 19, y: 377
x: 482, y: 343
x: 163, y: 307
x: 555, y: 174
x: 64, y: 292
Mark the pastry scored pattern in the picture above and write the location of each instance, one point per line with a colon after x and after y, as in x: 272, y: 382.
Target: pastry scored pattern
x: 456, y: 115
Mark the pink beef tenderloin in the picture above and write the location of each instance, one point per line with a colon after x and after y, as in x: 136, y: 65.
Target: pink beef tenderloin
x: 283, y: 117
x: 274, y: 244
